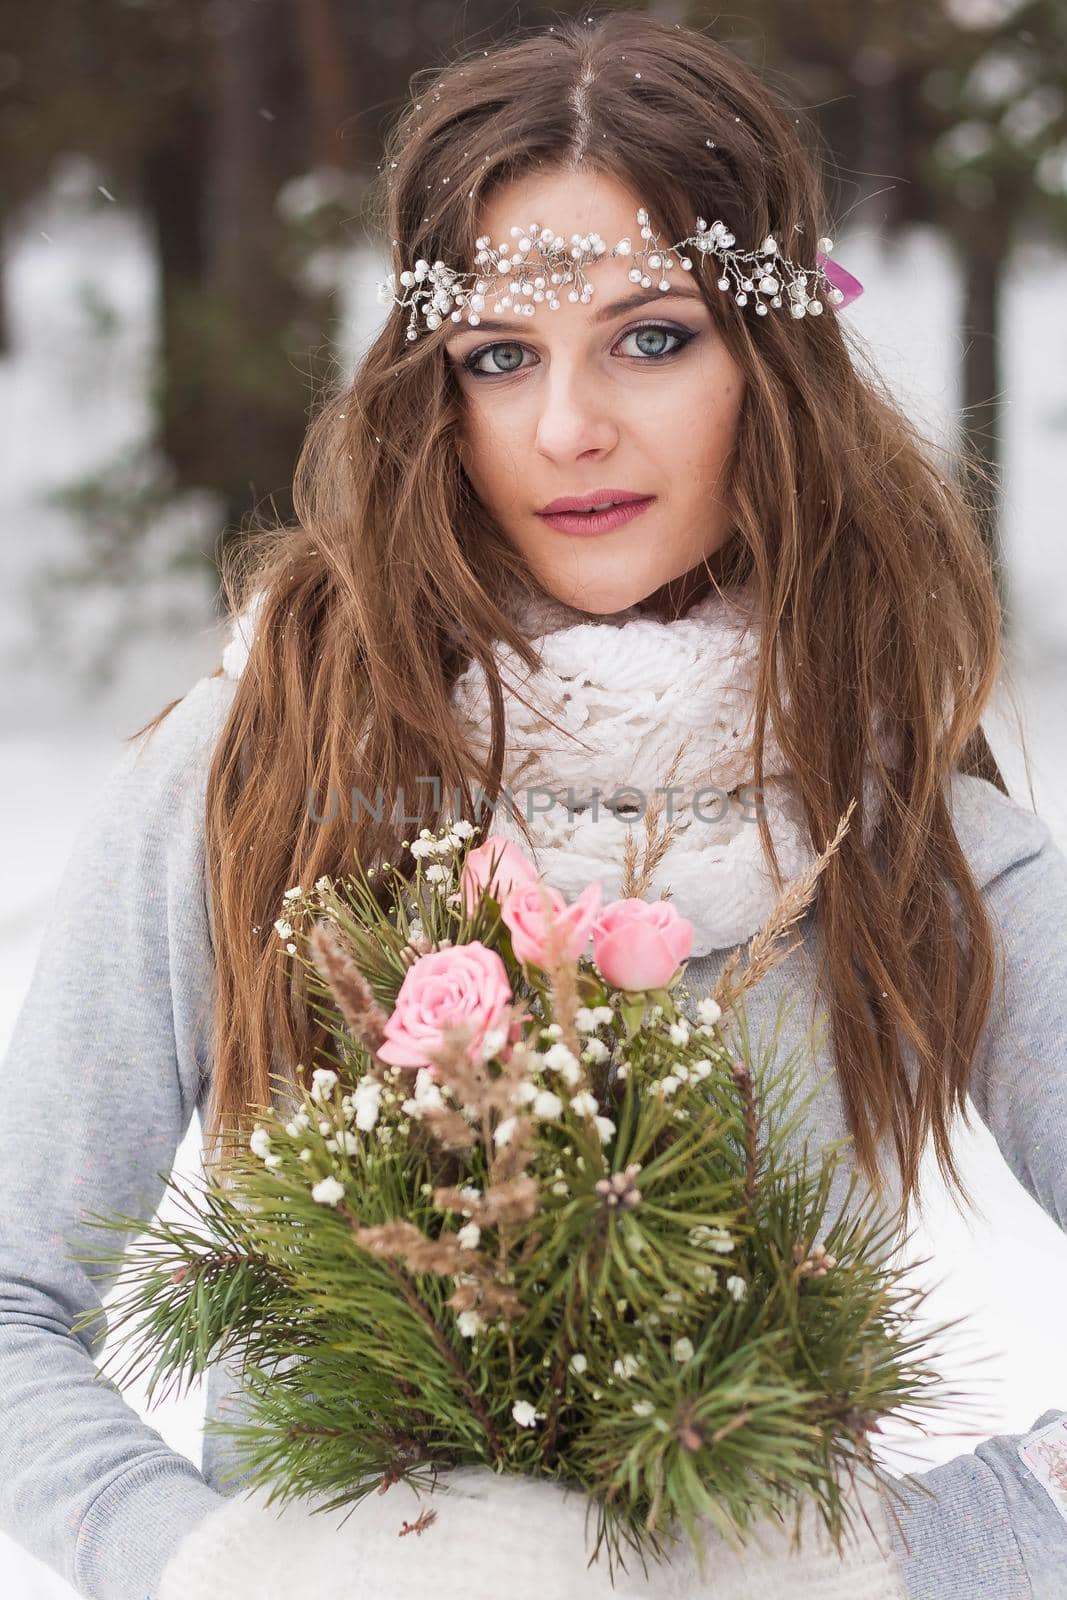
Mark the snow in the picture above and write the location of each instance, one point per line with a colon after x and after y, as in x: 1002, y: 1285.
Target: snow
x: 74, y: 396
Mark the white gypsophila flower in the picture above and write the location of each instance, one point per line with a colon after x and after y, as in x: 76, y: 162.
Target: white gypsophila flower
x: 494, y: 1042
x: 714, y: 1238
x: 259, y: 1142
x: 578, y: 1362
x: 603, y: 1013
x: 470, y: 1193
x: 525, y: 1414
x: 323, y: 884
x: 502, y: 1133
x: 463, y: 828
x: 668, y: 1085
x: 706, y: 1274
x: 622, y: 1070
x: 605, y: 1128
x: 681, y: 1071
x: 737, y: 1287
x: 328, y: 1191
x: 290, y: 949
x: 323, y: 1082
x: 295, y: 893
x: 284, y: 929
x: 709, y: 1011
x: 585, y: 1020
x: 470, y: 1323
x: 436, y: 874
x: 552, y: 1030
x: 596, y: 1050
x: 559, y: 1188
x: 585, y: 1104
x: 699, y: 1070
x: 305, y: 1155
x: 559, y: 1059
x: 547, y: 1106
x: 679, y: 1032
x: 350, y: 1142
x: 368, y: 1102
x: 682, y: 1350
x: 325, y: 1125
x: 626, y: 1366
x: 272, y: 1161
x: 643, y: 1408
x: 420, y: 848
x: 468, y: 1236
x: 524, y: 1092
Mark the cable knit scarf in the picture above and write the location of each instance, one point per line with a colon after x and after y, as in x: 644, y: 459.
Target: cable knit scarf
x: 628, y: 690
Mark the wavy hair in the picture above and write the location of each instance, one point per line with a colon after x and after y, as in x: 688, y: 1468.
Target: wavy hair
x: 863, y: 555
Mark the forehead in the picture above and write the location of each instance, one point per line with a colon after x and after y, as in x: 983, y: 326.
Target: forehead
x: 566, y: 202
x: 579, y: 203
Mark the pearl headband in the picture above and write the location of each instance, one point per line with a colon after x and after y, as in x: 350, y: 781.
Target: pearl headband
x: 437, y: 292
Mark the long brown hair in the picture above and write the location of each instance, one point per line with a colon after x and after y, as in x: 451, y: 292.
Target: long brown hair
x: 863, y: 556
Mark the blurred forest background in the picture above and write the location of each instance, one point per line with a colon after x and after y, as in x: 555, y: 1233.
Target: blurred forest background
x: 188, y: 265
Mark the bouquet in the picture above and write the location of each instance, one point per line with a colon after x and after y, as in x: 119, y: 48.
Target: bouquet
x: 532, y: 1211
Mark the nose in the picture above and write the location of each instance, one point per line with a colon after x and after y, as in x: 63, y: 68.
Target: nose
x: 575, y: 415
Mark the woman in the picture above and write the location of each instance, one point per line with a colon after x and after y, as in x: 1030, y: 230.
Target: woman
x: 795, y: 585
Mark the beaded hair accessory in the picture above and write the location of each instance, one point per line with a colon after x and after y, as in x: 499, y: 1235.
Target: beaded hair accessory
x: 506, y: 277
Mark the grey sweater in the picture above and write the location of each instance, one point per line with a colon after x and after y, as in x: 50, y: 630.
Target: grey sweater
x: 110, y: 1057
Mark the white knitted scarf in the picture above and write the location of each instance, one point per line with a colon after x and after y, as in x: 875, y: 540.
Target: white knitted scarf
x: 626, y: 689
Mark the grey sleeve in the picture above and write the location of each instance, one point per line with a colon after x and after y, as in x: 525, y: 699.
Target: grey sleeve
x: 100, y: 1079
x: 995, y: 1530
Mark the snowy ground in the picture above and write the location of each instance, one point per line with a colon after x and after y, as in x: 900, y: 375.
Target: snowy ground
x: 73, y: 394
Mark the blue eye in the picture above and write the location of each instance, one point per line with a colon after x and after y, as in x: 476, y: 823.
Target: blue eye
x: 681, y: 338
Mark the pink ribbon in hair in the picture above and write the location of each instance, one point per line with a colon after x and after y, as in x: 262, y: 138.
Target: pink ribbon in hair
x: 849, y: 286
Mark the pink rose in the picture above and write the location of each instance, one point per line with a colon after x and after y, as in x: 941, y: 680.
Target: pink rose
x: 499, y: 865
x: 462, y: 983
x: 640, y: 945
x: 532, y: 932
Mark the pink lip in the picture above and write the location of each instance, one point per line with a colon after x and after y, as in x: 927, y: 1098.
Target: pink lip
x: 582, y: 502
x: 588, y: 523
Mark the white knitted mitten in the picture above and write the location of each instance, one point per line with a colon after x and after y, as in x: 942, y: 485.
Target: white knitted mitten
x: 502, y: 1536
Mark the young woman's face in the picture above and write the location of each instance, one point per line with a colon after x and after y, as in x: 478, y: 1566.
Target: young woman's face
x: 592, y: 399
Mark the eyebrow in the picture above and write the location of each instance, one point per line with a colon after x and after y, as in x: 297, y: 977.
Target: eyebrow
x: 614, y: 308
